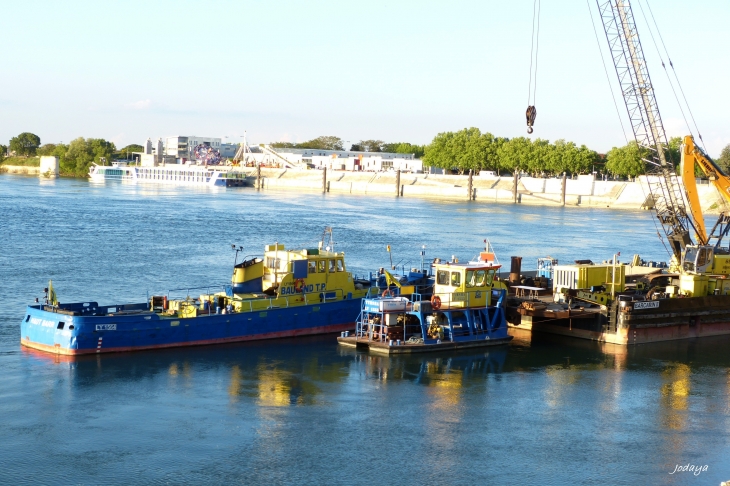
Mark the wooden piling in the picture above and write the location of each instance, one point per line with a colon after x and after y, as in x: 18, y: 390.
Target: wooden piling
x: 514, y: 189
x: 324, y: 180
x: 397, y: 183
x: 258, y: 177
x: 562, y: 191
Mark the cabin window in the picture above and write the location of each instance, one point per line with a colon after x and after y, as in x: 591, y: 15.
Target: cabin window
x: 470, y: 278
x: 702, y: 259
x: 340, y: 265
x: 490, y: 277
x: 480, y: 277
x: 312, y: 266
x: 272, y: 262
x: 442, y: 277
x: 455, y: 279
x: 332, y: 266
x: 321, y: 266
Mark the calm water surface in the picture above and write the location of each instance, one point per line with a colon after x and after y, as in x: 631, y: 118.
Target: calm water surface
x: 541, y: 411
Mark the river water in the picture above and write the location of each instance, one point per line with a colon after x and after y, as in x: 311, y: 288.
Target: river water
x: 543, y: 410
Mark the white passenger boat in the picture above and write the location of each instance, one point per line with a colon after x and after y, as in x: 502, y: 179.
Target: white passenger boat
x: 174, y: 174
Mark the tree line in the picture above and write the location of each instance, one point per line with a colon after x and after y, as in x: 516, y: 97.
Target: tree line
x: 470, y: 149
x: 461, y: 151
x: 75, y: 158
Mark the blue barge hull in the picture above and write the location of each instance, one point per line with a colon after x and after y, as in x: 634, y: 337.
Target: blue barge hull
x: 86, y: 328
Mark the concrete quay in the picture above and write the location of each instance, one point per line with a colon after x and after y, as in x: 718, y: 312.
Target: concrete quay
x: 581, y: 192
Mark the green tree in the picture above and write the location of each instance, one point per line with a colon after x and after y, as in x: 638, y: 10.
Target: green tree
x: 627, y: 160
x: 126, y: 152
x: 372, y: 145
x: 567, y: 157
x: 101, y: 149
x: 81, y: 153
x: 404, y: 148
x: 283, y: 145
x: 46, y: 149
x: 25, y: 144
x: 586, y: 159
x: 491, y: 146
x: 356, y: 148
x: 515, y: 154
x: 724, y: 159
x: 324, y: 142
x: 674, y: 151
x: 463, y: 150
x: 60, y: 152
x: 3, y: 152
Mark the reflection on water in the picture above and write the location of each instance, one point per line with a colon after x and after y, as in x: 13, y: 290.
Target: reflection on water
x: 613, y: 401
x: 675, y: 392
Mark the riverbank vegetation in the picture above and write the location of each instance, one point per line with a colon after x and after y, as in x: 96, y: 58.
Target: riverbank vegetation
x: 74, y: 158
x: 465, y: 150
x: 21, y: 160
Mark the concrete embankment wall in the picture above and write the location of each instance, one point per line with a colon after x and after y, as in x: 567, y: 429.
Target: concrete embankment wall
x: 20, y: 169
x: 583, y: 192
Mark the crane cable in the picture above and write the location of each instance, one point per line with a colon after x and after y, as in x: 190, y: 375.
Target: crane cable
x: 531, y: 112
x: 620, y: 120
x: 605, y: 69
x: 679, y: 103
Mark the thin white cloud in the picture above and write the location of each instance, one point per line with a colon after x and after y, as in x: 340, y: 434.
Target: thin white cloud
x: 140, y: 105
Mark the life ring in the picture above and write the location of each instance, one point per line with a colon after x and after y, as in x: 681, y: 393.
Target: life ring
x: 387, y: 293
x: 436, y: 302
x: 298, y: 285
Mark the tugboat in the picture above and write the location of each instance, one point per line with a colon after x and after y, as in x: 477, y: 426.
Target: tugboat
x: 466, y: 309
x: 286, y: 293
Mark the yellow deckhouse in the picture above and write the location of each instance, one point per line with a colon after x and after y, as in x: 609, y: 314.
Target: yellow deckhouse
x: 465, y: 284
x: 286, y: 278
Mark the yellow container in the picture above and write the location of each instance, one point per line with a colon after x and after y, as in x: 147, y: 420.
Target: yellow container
x: 694, y: 285
x: 587, y: 276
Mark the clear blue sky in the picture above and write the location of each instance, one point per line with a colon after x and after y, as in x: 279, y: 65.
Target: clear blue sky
x: 293, y: 70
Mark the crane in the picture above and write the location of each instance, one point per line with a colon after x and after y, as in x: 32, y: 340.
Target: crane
x: 697, y: 262
x: 646, y: 122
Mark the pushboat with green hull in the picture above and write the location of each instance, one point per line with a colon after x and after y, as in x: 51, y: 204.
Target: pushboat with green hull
x: 285, y: 293
x: 466, y: 309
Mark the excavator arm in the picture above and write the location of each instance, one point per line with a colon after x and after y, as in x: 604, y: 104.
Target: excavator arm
x: 693, y: 156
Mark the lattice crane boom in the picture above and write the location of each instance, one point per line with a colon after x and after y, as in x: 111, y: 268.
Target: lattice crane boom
x: 638, y: 92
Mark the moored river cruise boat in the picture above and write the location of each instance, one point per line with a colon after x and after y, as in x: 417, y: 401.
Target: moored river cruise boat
x: 286, y: 293
x: 171, y: 174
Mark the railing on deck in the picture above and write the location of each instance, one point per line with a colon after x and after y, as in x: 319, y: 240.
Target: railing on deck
x: 481, y: 321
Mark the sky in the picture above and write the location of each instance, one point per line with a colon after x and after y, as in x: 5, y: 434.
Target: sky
x: 397, y: 71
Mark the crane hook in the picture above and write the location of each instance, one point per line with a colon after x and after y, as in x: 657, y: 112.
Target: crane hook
x: 531, y: 113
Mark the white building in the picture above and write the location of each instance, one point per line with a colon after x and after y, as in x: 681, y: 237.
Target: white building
x: 350, y: 160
